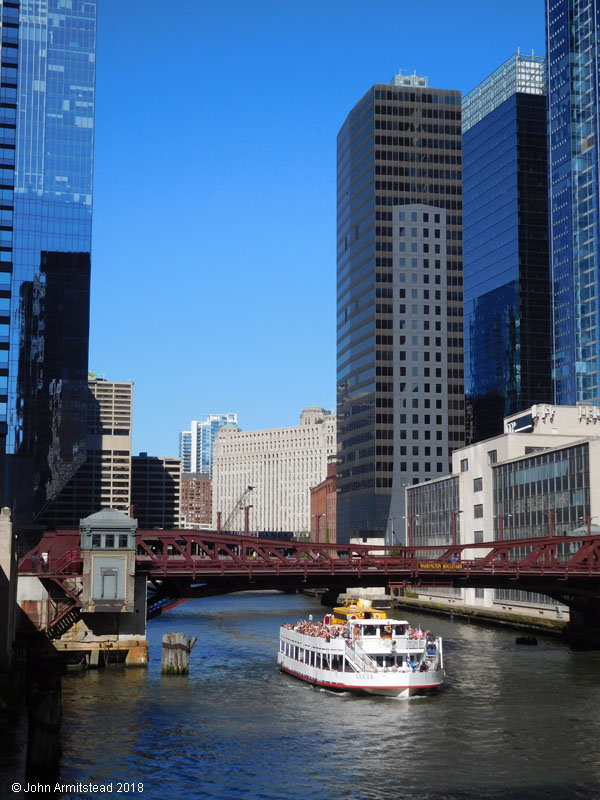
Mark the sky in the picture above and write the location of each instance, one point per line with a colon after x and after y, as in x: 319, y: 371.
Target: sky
x: 213, y: 256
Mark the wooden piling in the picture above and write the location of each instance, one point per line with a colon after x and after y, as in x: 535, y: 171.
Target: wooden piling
x: 176, y: 649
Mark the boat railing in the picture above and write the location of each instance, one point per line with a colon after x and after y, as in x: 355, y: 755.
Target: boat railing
x: 415, y: 644
x: 357, y: 656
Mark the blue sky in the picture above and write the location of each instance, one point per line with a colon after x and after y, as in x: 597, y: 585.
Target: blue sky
x: 213, y: 257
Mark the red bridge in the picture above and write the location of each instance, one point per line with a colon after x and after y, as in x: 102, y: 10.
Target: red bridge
x: 182, y: 564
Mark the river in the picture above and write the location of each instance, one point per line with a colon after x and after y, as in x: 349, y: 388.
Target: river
x: 511, y: 722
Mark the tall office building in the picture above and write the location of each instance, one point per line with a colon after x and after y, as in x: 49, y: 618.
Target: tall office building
x: 156, y: 491
x: 572, y: 41
x: 196, y: 445
x: 46, y: 152
x: 399, y: 300
x: 104, y: 479
x: 506, y: 282
x: 280, y: 464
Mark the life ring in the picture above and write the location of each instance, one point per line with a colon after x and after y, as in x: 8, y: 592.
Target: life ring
x: 377, y: 616
x: 327, y: 619
x: 353, y: 616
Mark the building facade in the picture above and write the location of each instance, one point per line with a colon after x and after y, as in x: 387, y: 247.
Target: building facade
x: 536, y: 479
x: 323, y: 506
x: 156, y: 491
x: 280, y: 465
x: 400, y: 373
x: 196, y: 445
x: 104, y: 479
x: 196, y: 500
x: 572, y: 45
x: 506, y: 280
x: 47, y: 98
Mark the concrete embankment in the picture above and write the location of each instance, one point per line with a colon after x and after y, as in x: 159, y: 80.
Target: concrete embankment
x: 556, y: 627
x: 489, y: 616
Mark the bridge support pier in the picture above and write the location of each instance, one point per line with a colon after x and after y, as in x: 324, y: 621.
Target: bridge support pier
x: 584, y: 622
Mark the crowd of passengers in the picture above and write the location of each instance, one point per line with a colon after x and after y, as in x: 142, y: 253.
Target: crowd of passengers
x: 319, y: 629
x: 322, y: 631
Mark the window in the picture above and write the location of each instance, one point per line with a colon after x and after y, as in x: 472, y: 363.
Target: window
x: 492, y: 456
x: 464, y: 465
x: 478, y: 511
x: 478, y: 537
x: 477, y: 484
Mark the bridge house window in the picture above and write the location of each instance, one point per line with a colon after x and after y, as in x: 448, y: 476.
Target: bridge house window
x: 478, y: 511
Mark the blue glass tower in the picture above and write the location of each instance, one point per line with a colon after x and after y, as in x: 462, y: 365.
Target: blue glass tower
x: 506, y: 287
x: 47, y: 92
x: 572, y: 39
x: 196, y: 445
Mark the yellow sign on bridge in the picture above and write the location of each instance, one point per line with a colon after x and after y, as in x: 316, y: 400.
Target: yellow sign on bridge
x: 440, y: 565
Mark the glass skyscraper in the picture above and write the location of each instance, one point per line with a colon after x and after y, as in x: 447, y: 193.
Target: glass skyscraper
x: 506, y: 286
x: 400, y: 380
x: 572, y: 31
x: 196, y: 445
x: 47, y: 92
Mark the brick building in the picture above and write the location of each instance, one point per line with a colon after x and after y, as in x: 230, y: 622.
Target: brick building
x: 323, y: 503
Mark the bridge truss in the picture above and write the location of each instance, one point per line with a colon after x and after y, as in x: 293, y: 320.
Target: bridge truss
x: 180, y: 565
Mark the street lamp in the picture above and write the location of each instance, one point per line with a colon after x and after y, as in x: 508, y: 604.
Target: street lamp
x: 409, y: 520
x: 550, y: 515
x: 500, y: 519
x: 318, y: 516
x: 588, y: 522
x: 454, y: 515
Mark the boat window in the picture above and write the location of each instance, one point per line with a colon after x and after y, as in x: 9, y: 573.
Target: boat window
x: 370, y: 630
x: 400, y: 630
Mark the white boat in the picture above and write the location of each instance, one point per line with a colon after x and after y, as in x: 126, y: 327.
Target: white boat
x: 375, y: 655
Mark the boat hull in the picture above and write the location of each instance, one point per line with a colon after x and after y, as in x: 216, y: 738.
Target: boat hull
x: 387, y: 684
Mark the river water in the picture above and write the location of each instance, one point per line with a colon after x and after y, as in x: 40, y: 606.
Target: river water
x: 511, y: 722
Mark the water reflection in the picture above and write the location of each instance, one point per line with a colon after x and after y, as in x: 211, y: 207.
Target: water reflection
x: 512, y: 722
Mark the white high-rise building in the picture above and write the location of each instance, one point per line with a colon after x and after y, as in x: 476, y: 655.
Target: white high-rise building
x: 280, y: 464
x: 196, y: 445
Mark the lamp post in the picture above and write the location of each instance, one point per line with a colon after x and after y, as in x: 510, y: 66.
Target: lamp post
x: 500, y: 519
x: 589, y: 525
x: 318, y: 518
x: 454, y: 515
x: 409, y: 522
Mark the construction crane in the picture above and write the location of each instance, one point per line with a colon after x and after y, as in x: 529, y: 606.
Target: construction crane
x: 236, y: 509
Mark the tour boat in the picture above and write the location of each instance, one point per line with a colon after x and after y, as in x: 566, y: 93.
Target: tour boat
x: 369, y: 653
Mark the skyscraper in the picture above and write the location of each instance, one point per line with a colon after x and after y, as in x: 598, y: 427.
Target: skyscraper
x: 506, y: 284
x: 46, y: 147
x: 104, y: 479
x: 399, y: 300
x: 572, y: 43
x: 196, y: 445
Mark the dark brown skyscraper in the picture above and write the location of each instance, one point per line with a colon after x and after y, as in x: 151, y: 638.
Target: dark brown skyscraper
x: 399, y: 295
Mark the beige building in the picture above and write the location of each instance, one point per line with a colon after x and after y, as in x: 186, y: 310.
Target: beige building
x: 280, y: 464
x: 537, y: 479
x: 104, y: 480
